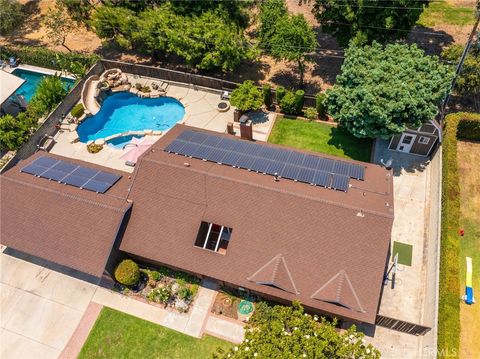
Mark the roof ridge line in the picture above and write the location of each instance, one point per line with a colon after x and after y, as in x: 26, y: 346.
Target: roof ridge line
x: 95, y: 203
x: 354, y: 293
x: 385, y: 215
x: 278, y: 257
x: 340, y: 285
x: 289, y: 274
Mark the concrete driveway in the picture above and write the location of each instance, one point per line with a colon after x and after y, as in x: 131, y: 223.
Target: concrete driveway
x: 39, y: 308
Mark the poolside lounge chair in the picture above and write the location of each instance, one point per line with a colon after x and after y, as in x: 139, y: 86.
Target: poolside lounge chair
x: 13, y: 62
x: 225, y: 95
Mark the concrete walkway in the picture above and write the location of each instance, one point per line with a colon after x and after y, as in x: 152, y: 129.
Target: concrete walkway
x: 417, y: 218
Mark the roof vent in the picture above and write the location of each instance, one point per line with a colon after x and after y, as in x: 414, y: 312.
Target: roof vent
x: 360, y: 214
x: 275, y: 274
x: 186, y: 164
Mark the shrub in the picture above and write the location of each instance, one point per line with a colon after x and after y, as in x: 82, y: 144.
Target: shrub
x: 146, y: 89
x: 155, y: 275
x: 288, y: 103
x: 280, y: 92
x: 160, y: 295
x: 94, y: 148
x: 311, y: 113
x: 40, y: 56
x: 299, y: 99
x: 13, y: 131
x: 320, y: 104
x: 267, y: 95
x: 127, y: 272
x: 138, y: 86
x: 185, y: 293
x: 247, y: 97
x: 449, y: 306
x: 50, y: 92
x: 77, y: 111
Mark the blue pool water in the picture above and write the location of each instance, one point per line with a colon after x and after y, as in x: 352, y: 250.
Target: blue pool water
x: 124, y: 111
x: 32, y: 80
x: 120, y: 142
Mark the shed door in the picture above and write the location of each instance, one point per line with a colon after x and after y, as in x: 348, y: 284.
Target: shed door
x: 406, y: 142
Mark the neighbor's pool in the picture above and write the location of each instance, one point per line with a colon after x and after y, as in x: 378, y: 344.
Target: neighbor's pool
x: 124, y: 111
x: 32, y: 80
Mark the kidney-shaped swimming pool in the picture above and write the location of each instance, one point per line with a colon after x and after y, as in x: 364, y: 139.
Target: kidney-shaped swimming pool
x: 124, y: 111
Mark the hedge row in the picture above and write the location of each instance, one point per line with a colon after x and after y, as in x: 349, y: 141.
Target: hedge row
x: 467, y: 126
x: 43, y: 57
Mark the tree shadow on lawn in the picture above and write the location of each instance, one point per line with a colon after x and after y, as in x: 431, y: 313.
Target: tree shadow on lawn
x: 356, y: 148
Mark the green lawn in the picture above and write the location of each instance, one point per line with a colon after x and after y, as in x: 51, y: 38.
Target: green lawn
x: 320, y: 137
x: 439, y: 13
x: 119, y: 335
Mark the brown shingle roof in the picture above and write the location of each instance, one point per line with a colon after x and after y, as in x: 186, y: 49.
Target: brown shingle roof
x: 61, y: 223
x: 317, y: 231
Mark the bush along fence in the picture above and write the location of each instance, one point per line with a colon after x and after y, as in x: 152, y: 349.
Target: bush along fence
x: 459, y: 125
x: 73, y: 62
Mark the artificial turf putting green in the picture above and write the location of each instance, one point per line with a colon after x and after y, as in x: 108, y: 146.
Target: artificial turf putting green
x: 404, y: 253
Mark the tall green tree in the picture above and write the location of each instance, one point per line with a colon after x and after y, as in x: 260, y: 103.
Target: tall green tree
x: 288, y: 332
x: 468, y: 81
x: 271, y: 13
x: 58, y: 24
x: 11, y: 16
x: 206, y: 41
x: 364, y: 21
x: 383, y: 90
x: 294, y: 40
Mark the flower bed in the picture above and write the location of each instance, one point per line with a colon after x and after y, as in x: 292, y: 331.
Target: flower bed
x: 227, y: 301
x: 165, y: 287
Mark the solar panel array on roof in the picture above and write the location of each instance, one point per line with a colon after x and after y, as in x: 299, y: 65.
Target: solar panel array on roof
x: 257, y: 157
x: 71, y: 174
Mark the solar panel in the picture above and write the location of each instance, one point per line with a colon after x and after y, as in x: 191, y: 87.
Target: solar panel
x: 306, y: 175
x: 323, y: 179
x: 34, y: 169
x: 261, y: 158
x: 217, y: 155
x: 340, y: 182
x: 341, y: 167
x: 71, y: 174
x: 357, y: 171
x: 290, y: 171
x: 96, y: 186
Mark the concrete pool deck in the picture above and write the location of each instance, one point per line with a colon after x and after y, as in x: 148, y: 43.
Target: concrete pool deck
x: 200, y: 111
